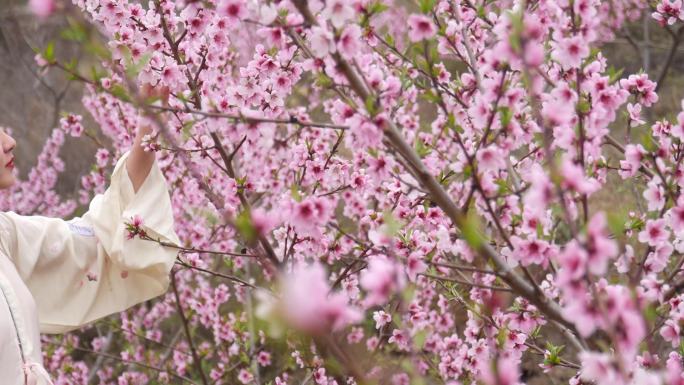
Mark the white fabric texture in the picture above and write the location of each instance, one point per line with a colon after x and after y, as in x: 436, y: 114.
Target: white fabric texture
x: 58, y: 275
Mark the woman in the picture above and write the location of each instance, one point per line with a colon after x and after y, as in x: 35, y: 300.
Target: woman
x: 58, y: 275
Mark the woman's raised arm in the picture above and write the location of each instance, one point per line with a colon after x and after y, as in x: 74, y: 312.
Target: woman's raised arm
x: 139, y: 161
x: 86, y: 268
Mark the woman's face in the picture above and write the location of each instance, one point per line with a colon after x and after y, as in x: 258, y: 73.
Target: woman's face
x: 7, y: 145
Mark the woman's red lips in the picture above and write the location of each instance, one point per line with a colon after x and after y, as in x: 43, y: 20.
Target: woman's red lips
x: 10, y: 164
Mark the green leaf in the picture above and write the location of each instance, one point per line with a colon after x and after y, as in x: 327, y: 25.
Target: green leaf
x: 516, y: 31
x: 370, y: 105
x: 614, y: 74
x: 186, y: 130
x: 120, y: 92
x: 408, y: 293
x: 390, y: 223
x: 71, y: 67
x: 583, y: 105
x: 294, y: 192
x: 553, y: 357
x: 243, y: 223
x: 481, y: 12
x: 418, y: 380
x: 634, y: 224
x: 593, y: 54
x: 94, y: 74
x: 229, y: 263
x: 457, y: 128
x: 540, y: 230
x: 71, y: 64
x: 503, y: 186
x: 501, y: 336
x: 451, y: 120
x: 389, y: 39
x: 49, y: 52
x: 535, y: 332
x: 426, y: 5
x: 650, y: 313
x: 94, y: 47
x: 419, y: 339
x: 506, y: 115
x: 471, y: 232
x: 467, y: 171
x: 74, y: 32
x: 429, y: 96
x: 648, y: 142
x: 134, y: 68
x: 421, y: 149
x: 377, y: 7
x: 323, y: 81
x: 374, y: 8
x: 616, y: 222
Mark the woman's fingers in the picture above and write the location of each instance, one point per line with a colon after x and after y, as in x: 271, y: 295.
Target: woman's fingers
x: 157, y: 92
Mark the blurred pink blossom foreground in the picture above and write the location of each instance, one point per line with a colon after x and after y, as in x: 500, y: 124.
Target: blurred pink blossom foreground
x: 42, y: 8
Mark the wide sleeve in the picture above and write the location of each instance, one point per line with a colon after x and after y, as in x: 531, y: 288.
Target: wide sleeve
x: 86, y: 268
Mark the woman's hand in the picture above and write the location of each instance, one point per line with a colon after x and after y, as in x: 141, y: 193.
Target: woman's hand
x: 139, y: 161
x: 158, y: 93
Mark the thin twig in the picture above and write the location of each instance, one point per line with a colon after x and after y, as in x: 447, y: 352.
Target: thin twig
x: 195, y: 357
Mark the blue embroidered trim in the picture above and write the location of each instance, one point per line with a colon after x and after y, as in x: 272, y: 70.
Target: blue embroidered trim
x: 86, y: 231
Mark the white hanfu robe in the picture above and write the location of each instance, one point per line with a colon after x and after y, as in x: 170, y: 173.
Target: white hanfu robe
x: 58, y: 275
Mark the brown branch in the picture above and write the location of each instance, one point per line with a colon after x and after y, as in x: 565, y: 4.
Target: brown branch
x: 611, y: 141
x: 195, y: 250
x: 227, y: 160
x: 176, y: 55
x: 195, y: 357
x: 676, y: 40
x: 247, y: 119
x: 464, y: 268
x: 441, y: 197
x: 327, y: 160
x: 214, y: 273
x: 461, y: 282
x: 131, y: 362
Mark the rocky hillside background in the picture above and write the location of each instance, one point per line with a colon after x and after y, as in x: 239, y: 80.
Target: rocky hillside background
x: 31, y: 104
